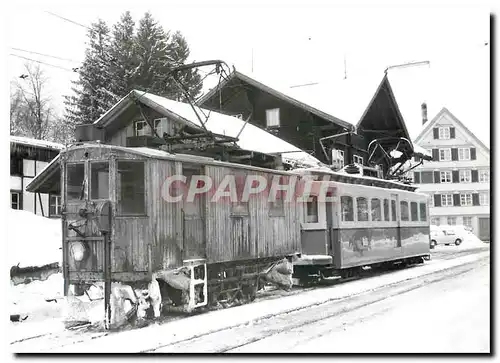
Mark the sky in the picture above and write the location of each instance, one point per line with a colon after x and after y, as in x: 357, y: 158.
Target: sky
x: 293, y: 42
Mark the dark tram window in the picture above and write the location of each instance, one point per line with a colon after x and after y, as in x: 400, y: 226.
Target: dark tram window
x: 386, y: 210
x: 130, y: 188
x: 376, y: 210
x: 423, y: 212
x: 99, y: 180
x: 404, y: 211
x: 362, y: 209
x: 414, y: 211
x: 393, y: 210
x: 347, y: 209
x: 312, y: 210
x: 74, y: 184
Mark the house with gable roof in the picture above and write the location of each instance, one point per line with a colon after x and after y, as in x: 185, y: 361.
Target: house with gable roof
x: 458, y: 178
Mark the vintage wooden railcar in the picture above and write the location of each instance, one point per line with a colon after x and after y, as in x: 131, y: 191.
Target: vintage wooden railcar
x: 118, y: 226
x: 367, y: 222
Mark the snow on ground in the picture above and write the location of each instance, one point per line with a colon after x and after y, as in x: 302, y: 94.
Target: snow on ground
x: 158, y: 335
x: 32, y: 240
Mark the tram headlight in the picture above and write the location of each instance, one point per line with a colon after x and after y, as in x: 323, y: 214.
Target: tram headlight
x: 79, y: 251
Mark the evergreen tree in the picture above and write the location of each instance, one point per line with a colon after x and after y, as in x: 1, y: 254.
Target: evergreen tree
x: 92, y: 97
x: 124, y: 60
x: 178, y: 50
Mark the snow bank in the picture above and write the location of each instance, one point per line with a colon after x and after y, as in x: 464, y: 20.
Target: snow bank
x: 33, y: 240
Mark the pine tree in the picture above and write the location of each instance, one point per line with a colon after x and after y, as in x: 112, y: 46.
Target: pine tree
x: 178, y: 51
x: 124, y: 60
x: 92, y: 97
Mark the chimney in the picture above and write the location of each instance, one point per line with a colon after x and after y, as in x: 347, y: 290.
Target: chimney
x: 424, y: 113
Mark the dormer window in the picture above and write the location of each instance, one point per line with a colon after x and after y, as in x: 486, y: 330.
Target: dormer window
x: 161, y: 126
x: 273, y: 117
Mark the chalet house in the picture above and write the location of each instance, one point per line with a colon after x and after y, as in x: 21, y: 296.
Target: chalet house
x: 28, y: 157
x: 458, y: 178
x: 320, y: 119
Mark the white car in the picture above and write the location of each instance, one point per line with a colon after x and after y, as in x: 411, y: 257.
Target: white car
x: 447, y: 235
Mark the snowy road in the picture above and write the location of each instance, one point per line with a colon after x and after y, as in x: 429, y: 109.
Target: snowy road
x: 447, y: 297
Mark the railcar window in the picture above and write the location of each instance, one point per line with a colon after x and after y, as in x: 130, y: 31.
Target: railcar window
x: 130, y: 188
x: 404, y: 211
x: 393, y: 210
x: 99, y: 180
x: 386, y: 210
x: 312, y: 210
x: 423, y: 212
x: 376, y: 210
x: 362, y: 209
x: 347, y: 209
x: 74, y: 184
x: 414, y: 211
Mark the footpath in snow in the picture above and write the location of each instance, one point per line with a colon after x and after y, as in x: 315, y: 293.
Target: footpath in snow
x: 153, y: 336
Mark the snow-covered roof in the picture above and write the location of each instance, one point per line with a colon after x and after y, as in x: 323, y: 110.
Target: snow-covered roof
x: 420, y: 150
x: 36, y: 143
x: 250, y: 137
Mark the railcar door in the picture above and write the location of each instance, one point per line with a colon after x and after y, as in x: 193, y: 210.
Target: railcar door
x: 396, y: 216
x: 193, y: 214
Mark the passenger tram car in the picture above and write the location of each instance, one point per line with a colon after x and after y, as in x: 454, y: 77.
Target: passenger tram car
x: 365, y: 221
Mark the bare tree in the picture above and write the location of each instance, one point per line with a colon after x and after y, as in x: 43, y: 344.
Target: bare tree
x: 31, y: 111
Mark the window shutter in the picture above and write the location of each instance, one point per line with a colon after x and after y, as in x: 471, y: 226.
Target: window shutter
x: 456, y: 200
x: 473, y: 153
x: 437, y: 200
x: 416, y: 177
x: 452, y: 132
x: 454, y: 154
x: 475, y: 178
x: 475, y: 198
x: 437, y: 177
x: 455, y: 176
x: 436, y: 133
x: 435, y: 154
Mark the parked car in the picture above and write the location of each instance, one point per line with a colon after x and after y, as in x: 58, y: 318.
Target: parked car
x: 447, y: 235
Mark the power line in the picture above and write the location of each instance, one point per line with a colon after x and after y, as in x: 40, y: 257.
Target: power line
x: 71, y: 21
x: 45, y: 55
x: 37, y: 61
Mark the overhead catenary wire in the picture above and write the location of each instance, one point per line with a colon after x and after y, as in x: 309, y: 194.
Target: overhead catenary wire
x: 45, y: 55
x: 37, y: 61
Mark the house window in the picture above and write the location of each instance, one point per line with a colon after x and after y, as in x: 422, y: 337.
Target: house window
x: 446, y: 200
x: 75, y: 179
x: 362, y: 205
x: 463, y: 154
x: 423, y: 212
x: 357, y: 160
x: 444, y: 133
x: 347, y: 209
x: 142, y: 128
x: 386, y: 209
x: 404, y: 211
x: 444, y: 154
x: 484, y: 199
x: 312, y: 210
x: 435, y: 221
x: 465, y: 176
x: 484, y: 176
x: 131, y: 189
x: 99, y: 180
x: 446, y: 177
x: 376, y: 210
x: 338, y: 158
x: 466, y: 199
x: 160, y: 126
x: 452, y: 221
x: 273, y: 117
x: 467, y: 221
x: 15, y: 200
x: 54, y: 205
